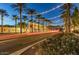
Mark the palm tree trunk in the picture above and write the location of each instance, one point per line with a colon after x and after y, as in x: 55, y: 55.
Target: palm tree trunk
x: 66, y: 26
x: 46, y: 26
x: 15, y: 26
x: 69, y: 25
x: 1, y: 23
x: 32, y: 23
x: 38, y: 25
x: 69, y: 20
x: 43, y: 26
x: 25, y: 26
x: 21, y: 19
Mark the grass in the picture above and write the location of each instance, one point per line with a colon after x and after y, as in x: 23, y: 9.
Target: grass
x: 19, y: 44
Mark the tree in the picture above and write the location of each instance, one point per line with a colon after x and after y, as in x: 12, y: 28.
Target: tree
x: 48, y: 22
x: 43, y: 20
x: 20, y: 7
x: 75, y: 18
x: 50, y: 27
x: 32, y: 12
x: 3, y: 13
x: 24, y: 24
x: 25, y: 18
x: 15, y: 18
x: 66, y: 16
x: 39, y: 17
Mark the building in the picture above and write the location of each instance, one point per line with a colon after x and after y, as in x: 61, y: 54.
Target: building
x: 34, y: 27
x: 11, y: 29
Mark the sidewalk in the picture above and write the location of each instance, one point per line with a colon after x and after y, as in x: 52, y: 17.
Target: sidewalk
x: 11, y: 36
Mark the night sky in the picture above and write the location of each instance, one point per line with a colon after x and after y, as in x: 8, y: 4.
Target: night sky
x: 39, y: 7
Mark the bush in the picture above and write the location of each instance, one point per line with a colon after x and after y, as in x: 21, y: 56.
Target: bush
x: 63, y: 44
x: 76, y: 31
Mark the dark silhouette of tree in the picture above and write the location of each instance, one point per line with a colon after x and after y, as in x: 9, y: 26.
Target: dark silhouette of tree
x: 67, y: 16
x: 32, y: 12
x: 20, y: 7
x: 15, y: 18
x: 3, y: 13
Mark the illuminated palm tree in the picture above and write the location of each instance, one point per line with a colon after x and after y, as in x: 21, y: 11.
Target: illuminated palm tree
x: 32, y: 12
x: 23, y: 26
x: 39, y: 17
x: 75, y: 18
x: 25, y: 19
x: 3, y: 13
x: 66, y: 16
x: 43, y: 19
x: 20, y: 7
x: 15, y: 18
x: 48, y: 22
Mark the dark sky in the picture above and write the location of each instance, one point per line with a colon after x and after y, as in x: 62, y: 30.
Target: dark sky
x: 39, y: 7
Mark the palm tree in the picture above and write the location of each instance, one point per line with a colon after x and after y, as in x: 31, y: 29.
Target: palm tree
x: 64, y: 16
x: 43, y: 19
x: 3, y: 13
x: 20, y: 7
x: 32, y: 12
x: 23, y: 26
x: 67, y: 16
x: 24, y: 18
x: 50, y: 27
x: 15, y: 18
x: 48, y: 22
x: 39, y: 17
x: 75, y: 18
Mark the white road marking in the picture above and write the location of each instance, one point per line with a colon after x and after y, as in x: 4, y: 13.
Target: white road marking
x: 7, y: 40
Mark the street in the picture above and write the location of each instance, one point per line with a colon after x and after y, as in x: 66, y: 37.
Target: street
x: 19, y: 42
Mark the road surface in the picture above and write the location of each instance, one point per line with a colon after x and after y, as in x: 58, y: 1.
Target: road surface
x: 19, y: 41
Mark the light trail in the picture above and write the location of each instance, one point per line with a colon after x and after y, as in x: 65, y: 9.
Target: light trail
x: 51, y: 9
x: 56, y: 16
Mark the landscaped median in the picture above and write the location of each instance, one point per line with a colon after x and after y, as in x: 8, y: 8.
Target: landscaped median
x: 61, y: 44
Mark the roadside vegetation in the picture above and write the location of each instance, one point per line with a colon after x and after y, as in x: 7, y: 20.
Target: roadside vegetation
x: 63, y: 44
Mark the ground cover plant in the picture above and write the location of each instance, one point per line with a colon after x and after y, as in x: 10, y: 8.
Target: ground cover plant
x: 61, y: 44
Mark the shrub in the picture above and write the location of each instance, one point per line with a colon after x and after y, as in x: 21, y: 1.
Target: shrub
x: 76, y: 31
x: 60, y: 45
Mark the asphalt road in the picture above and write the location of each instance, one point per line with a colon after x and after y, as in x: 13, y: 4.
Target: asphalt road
x: 17, y: 43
